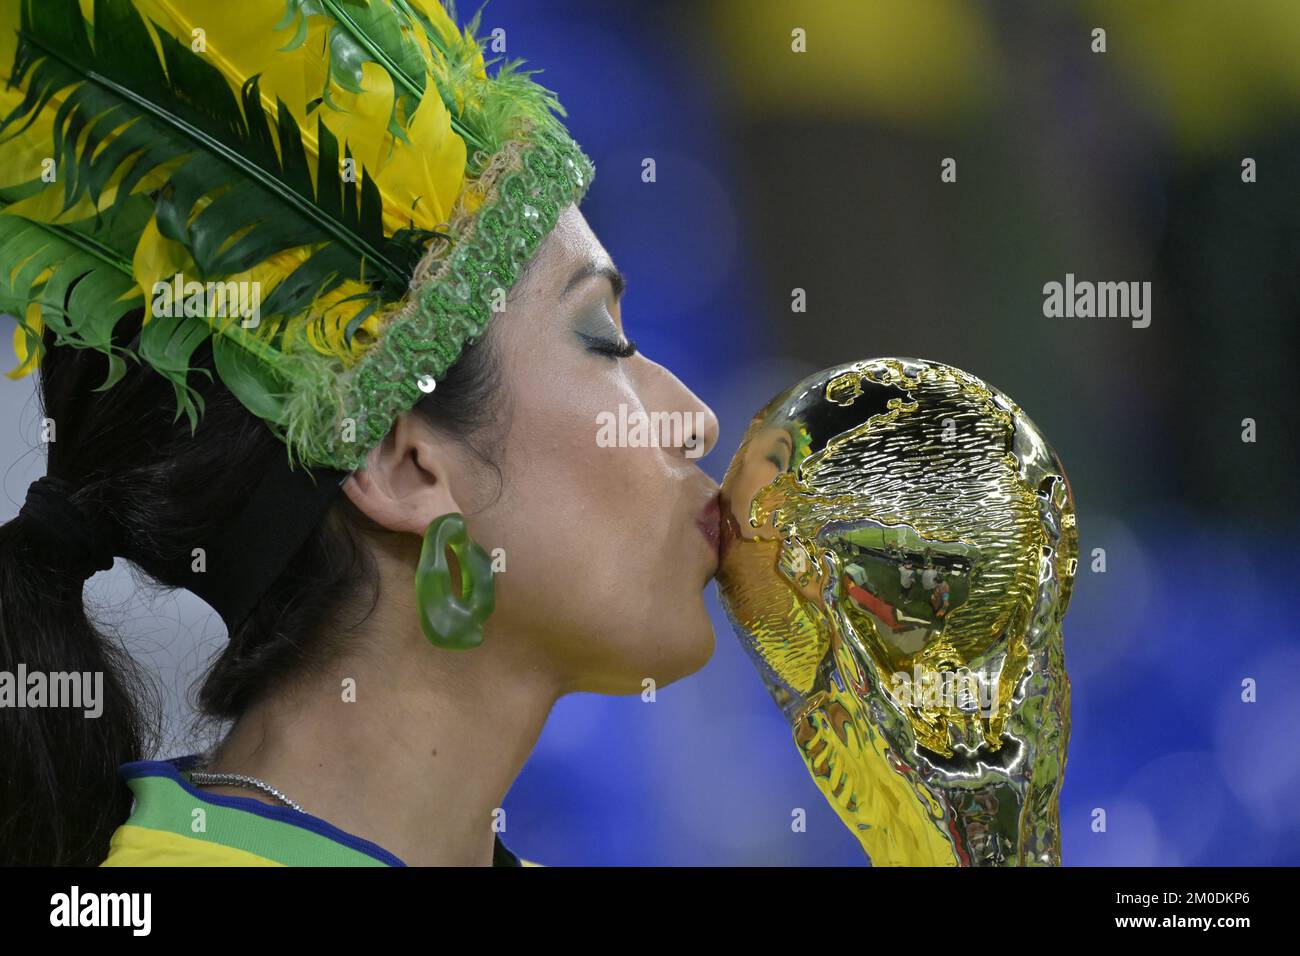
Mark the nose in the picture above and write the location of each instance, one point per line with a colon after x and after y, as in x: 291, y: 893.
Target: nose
x: 700, y: 424
x: 703, y: 431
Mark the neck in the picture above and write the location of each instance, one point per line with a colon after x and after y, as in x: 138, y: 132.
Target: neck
x: 415, y: 754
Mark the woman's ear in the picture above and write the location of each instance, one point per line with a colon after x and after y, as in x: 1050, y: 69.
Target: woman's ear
x: 406, y: 481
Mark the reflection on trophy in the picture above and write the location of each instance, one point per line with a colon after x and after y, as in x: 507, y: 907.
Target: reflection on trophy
x: 898, y: 551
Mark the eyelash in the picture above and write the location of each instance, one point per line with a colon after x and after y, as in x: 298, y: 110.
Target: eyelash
x: 613, y: 349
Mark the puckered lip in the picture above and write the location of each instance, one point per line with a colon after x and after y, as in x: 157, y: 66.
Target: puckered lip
x: 709, y: 522
x: 728, y: 527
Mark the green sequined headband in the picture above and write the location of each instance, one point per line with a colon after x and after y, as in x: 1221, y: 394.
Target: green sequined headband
x: 346, y: 166
x: 451, y: 307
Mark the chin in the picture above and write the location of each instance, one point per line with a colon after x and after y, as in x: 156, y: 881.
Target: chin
x: 690, y: 648
x: 664, y: 651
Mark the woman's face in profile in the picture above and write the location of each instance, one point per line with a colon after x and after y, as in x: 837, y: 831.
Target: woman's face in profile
x: 606, y: 564
x: 765, y: 453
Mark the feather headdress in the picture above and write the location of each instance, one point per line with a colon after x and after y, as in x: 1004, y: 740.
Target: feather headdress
x: 332, y: 191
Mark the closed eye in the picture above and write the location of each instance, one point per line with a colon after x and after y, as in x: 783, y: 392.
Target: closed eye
x: 610, y: 347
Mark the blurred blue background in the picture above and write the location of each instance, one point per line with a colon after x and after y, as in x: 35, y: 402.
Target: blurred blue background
x: 821, y: 171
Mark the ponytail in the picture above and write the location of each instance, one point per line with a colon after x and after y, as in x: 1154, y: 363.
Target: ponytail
x: 60, y: 794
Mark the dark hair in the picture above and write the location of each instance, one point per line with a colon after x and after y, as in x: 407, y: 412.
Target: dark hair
x: 161, y: 488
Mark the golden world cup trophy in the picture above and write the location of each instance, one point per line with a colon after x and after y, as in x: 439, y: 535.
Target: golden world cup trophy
x: 898, y: 551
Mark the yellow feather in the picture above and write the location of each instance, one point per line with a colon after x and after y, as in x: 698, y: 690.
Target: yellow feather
x: 450, y: 32
x: 26, y: 152
x: 323, y: 324
x: 419, y: 180
x: 157, y: 259
x: 243, y: 41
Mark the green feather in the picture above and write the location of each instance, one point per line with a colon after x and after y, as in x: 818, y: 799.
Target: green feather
x: 79, y: 278
x: 182, y: 111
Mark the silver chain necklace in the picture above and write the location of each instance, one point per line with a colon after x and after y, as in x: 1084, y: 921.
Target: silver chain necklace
x: 242, y: 780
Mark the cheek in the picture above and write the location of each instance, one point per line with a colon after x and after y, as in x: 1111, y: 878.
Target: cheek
x: 605, y: 502
x: 591, y: 539
x: 570, y: 507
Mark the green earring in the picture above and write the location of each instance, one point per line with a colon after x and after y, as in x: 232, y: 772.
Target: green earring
x: 450, y: 620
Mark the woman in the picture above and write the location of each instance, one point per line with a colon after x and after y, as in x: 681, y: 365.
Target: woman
x: 373, y: 723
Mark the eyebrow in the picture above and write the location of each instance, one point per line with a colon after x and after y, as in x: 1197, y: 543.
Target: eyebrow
x: 593, y: 268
